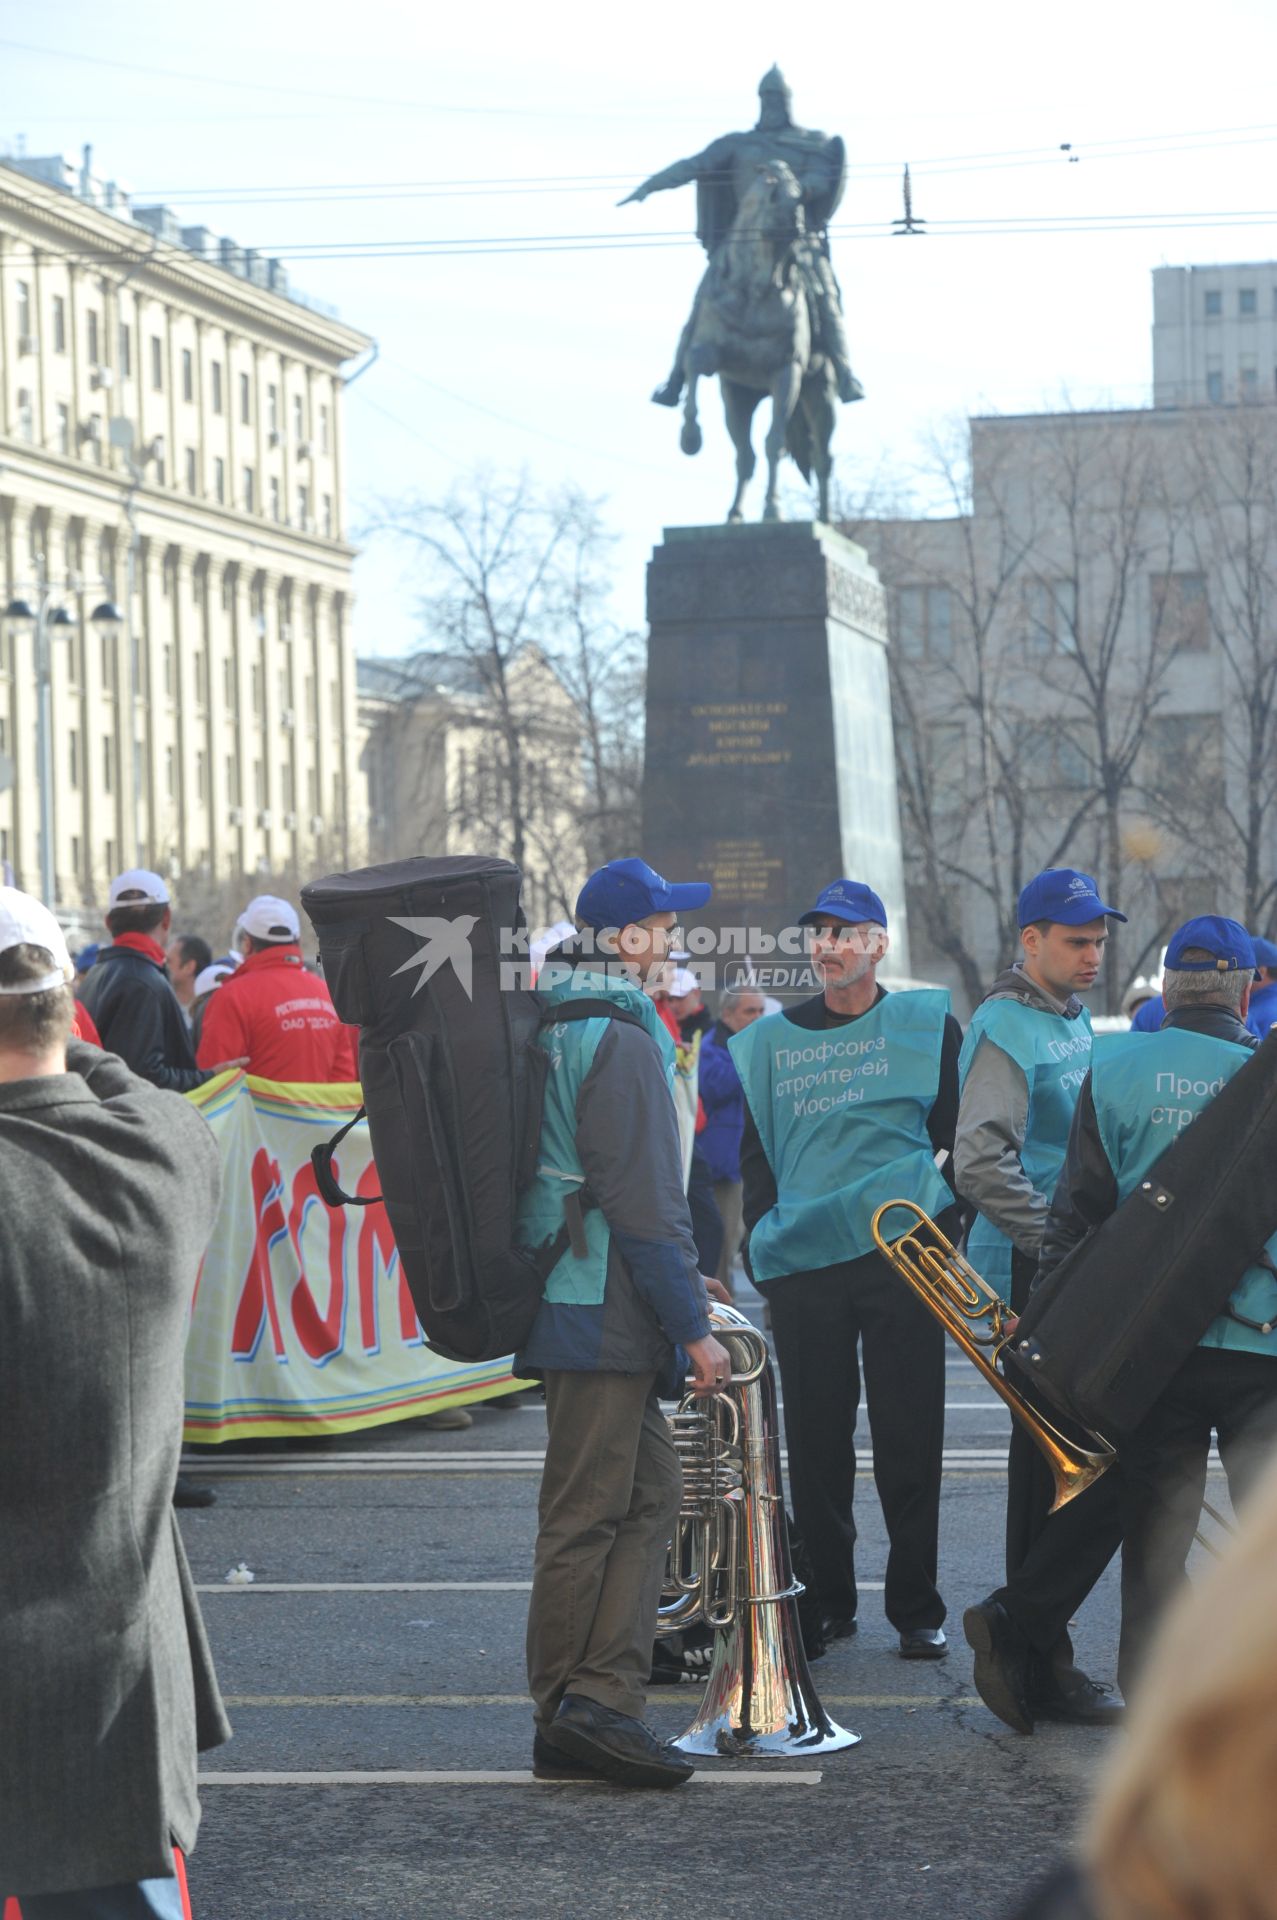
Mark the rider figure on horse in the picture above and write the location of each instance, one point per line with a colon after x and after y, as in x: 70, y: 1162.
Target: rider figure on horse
x: 723, y: 173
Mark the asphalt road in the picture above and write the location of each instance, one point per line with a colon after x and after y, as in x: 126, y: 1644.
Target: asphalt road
x: 383, y: 1634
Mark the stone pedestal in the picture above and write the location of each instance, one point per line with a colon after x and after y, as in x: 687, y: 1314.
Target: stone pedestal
x: 770, y: 765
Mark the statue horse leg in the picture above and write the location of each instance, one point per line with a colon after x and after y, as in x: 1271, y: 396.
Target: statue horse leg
x: 818, y: 406
x: 738, y: 408
x: 785, y: 391
x: 690, y: 437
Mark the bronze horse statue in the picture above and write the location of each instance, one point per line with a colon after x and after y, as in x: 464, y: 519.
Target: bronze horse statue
x: 752, y: 325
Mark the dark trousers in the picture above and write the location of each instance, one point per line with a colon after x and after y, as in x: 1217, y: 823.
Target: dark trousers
x: 817, y: 1321
x: 1053, y: 1560
x: 1164, y: 1463
x: 707, y: 1222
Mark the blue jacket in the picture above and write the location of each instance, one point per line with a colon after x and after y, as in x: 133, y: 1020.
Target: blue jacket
x: 723, y: 1098
x: 609, y: 1120
x: 1263, y: 1011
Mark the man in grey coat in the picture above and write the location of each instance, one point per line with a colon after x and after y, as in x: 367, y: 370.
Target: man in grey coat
x: 108, y: 1190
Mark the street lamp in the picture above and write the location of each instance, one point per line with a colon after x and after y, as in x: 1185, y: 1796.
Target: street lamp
x: 42, y: 621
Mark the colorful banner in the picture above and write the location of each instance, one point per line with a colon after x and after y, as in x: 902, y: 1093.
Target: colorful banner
x: 302, y: 1321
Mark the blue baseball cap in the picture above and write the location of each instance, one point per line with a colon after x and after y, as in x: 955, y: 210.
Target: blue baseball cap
x: 1230, y: 947
x: 628, y: 890
x: 1064, y: 896
x: 849, y: 900
x: 1265, y: 951
x: 85, y: 958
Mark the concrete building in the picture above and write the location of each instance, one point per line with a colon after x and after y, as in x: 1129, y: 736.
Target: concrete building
x: 1214, y: 334
x: 170, y: 445
x: 435, y: 755
x: 1084, y: 672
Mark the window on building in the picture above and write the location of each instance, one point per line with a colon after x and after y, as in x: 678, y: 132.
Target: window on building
x: 26, y: 415
x: 170, y: 772
x: 1214, y: 383
x: 232, y: 780
x: 1183, y: 759
x: 157, y: 364
x: 64, y: 427
x: 168, y: 667
x: 1180, y: 610
x: 274, y: 497
x: 924, y: 621
x: 192, y: 471
x: 303, y: 509
x: 23, y: 303
x: 1248, y: 300
x: 245, y: 399
x: 108, y: 764
x: 215, y: 385
x: 313, y: 788
x: 188, y: 374
x: 259, y: 783
x: 201, y: 776
x: 323, y: 430
x: 272, y: 410
x: 1050, y: 616
x: 288, y: 785
x: 249, y: 490
x: 59, y: 324
x: 312, y: 701
x: 93, y: 342
x: 108, y: 662
x: 257, y: 688
x: 75, y: 854
x: 199, y: 676
x: 73, y: 758
x: 219, y: 481
x: 299, y: 418
x: 1214, y: 303
x: 108, y: 855
x: 328, y: 516
x: 1248, y: 377
x: 228, y: 683
x: 126, y: 351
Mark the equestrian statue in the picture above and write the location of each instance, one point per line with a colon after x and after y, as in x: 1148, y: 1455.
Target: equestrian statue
x: 767, y: 317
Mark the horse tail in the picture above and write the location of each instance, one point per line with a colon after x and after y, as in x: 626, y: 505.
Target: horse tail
x: 798, y: 441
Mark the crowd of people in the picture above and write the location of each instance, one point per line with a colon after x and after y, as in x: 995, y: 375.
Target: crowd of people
x: 753, y: 1136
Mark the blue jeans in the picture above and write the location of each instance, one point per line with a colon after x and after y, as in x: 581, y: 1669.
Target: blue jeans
x: 134, y: 1900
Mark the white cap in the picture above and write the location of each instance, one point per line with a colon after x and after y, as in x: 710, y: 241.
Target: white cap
x: 136, y: 886
x: 269, y: 918
x: 212, y: 976
x: 28, y: 922
x: 682, y: 981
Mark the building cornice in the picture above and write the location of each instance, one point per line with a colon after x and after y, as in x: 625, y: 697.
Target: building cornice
x: 116, y: 248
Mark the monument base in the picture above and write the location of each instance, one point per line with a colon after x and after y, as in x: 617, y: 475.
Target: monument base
x: 770, y: 763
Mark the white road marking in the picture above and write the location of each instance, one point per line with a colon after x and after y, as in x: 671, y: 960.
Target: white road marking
x: 515, y: 1778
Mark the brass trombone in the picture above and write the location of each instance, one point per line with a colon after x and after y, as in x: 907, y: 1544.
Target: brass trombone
x: 975, y: 1317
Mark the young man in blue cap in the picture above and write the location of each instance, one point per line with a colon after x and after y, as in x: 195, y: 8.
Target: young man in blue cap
x: 851, y: 1098
x: 622, y: 1300
x: 1228, y: 1384
x: 1023, y: 1060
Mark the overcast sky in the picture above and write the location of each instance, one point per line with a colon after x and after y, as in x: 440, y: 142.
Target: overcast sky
x: 309, y: 129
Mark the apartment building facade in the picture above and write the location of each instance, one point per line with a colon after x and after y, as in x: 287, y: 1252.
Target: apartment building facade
x: 171, y: 461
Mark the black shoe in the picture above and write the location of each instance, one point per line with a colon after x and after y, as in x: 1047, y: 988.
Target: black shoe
x: 621, y: 1749
x: 923, y: 1643
x: 1001, y: 1663
x: 187, y: 1493
x: 840, y: 1626
x: 1070, y: 1695
x: 549, y: 1765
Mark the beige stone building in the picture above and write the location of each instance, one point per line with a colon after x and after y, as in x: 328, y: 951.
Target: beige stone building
x: 436, y: 758
x: 170, y: 445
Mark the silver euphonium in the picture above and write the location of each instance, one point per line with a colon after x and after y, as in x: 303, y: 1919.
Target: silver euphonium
x: 729, y: 1566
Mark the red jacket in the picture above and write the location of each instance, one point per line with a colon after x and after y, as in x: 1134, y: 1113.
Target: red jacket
x: 282, y: 1017
x: 82, y: 1027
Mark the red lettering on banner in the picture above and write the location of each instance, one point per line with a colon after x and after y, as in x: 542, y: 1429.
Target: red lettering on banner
x: 322, y: 1334
x: 257, y: 1300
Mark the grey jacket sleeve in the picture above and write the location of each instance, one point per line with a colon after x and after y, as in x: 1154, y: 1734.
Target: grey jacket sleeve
x: 627, y: 1137
x: 992, y: 1119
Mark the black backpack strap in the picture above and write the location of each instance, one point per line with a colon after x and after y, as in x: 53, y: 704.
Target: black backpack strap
x: 321, y: 1158
x: 589, y: 1009
x: 577, y: 1201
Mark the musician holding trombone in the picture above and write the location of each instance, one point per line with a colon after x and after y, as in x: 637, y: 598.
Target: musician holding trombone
x: 1142, y: 1091
x: 850, y: 1096
x: 1023, y: 1061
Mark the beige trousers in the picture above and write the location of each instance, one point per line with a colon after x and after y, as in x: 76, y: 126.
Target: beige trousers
x: 610, y: 1495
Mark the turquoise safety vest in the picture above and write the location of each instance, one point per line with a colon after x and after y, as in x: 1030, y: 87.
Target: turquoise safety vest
x: 1146, y: 1089
x: 572, y: 1047
x: 842, y: 1116
x: 1053, y: 1054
